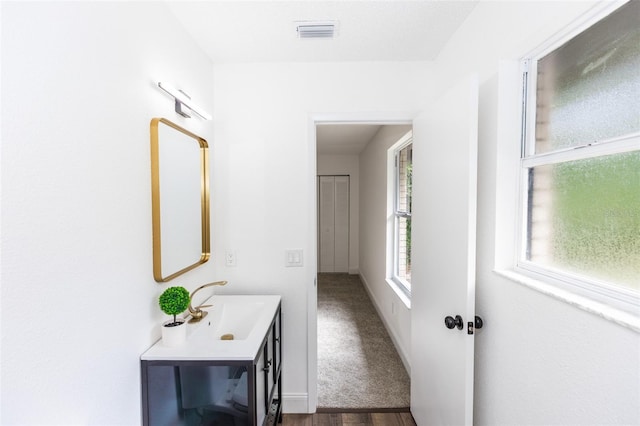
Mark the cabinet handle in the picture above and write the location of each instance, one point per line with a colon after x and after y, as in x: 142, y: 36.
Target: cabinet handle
x: 268, y: 366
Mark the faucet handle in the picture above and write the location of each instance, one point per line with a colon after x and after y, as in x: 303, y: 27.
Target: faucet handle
x: 197, y: 313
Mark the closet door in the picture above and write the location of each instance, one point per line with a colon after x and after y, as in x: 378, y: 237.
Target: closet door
x: 326, y: 214
x: 341, y: 219
x: 333, y: 218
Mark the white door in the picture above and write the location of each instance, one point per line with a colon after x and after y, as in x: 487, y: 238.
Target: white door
x: 333, y: 218
x: 326, y: 223
x: 443, y: 247
x: 341, y: 236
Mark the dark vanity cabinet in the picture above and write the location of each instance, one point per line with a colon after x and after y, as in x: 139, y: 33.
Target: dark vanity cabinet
x: 234, y: 392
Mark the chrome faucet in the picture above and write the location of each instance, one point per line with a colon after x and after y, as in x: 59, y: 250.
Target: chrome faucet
x: 197, y: 313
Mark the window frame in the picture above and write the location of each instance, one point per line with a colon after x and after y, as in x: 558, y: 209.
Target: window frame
x: 591, y: 288
x: 403, y: 285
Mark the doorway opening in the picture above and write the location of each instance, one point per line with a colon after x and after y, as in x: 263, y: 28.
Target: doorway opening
x: 358, y: 365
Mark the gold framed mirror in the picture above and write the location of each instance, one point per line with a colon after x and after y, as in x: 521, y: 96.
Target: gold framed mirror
x: 179, y: 200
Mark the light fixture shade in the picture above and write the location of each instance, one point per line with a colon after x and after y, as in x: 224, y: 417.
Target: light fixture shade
x: 182, y: 99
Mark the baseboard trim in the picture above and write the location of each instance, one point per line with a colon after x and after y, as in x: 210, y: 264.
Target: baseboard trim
x: 294, y: 403
x: 364, y: 410
x: 394, y: 338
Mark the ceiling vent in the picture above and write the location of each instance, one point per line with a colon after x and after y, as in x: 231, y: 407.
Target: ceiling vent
x: 316, y: 29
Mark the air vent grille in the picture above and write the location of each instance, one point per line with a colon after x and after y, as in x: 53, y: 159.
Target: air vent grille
x: 308, y: 29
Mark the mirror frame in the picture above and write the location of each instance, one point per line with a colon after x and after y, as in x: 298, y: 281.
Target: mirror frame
x: 155, y: 200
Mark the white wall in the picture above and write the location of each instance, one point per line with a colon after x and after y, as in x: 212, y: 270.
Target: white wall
x: 265, y: 175
x: 373, y: 238
x: 79, y: 303
x: 346, y: 165
x: 538, y: 360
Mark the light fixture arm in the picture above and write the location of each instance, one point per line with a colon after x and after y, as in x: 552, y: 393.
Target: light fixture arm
x: 182, y: 99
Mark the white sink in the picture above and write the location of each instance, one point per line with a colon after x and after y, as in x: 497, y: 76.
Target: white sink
x: 232, y: 317
x: 246, y: 317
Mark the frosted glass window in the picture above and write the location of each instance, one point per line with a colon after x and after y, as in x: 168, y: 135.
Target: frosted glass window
x: 588, y: 89
x: 581, y: 161
x: 585, y: 218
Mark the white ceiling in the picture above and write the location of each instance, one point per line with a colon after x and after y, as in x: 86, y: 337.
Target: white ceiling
x: 344, y: 139
x: 368, y: 30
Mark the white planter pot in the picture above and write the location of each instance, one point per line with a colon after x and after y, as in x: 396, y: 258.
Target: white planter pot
x: 176, y: 335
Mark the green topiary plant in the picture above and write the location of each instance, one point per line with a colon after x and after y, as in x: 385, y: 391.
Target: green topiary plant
x: 174, y: 301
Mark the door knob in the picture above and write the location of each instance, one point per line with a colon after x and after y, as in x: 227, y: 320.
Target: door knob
x: 478, y: 322
x: 451, y: 322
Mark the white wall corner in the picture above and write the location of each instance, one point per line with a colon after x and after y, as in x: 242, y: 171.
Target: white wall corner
x: 404, y: 356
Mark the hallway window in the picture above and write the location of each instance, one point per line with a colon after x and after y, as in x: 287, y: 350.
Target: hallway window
x: 580, y: 161
x: 402, y: 211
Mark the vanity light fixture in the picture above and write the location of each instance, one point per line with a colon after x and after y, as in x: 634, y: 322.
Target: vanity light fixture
x: 182, y: 99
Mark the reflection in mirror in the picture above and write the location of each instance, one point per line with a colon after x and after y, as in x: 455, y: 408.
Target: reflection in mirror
x: 180, y: 199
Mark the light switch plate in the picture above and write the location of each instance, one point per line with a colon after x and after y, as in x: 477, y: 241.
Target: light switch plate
x: 293, y: 258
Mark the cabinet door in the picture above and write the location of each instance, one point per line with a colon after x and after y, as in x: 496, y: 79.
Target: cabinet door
x: 277, y: 345
x: 267, y: 371
x: 179, y: 393
x: 271, y: 361
x: 261, y: 386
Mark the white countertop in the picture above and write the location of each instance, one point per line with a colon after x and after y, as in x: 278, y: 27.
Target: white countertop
x: 228, y: 314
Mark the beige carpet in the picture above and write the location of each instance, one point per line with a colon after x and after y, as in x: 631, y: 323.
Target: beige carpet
x: 358, y: 366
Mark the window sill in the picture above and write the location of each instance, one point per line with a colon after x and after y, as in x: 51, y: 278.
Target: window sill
x: 398, y: 291
x: 610, y: 313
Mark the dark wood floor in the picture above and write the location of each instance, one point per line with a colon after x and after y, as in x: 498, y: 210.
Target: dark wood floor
x: 348, y: 419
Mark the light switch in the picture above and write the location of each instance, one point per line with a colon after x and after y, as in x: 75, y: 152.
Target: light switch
x: 293, y: 258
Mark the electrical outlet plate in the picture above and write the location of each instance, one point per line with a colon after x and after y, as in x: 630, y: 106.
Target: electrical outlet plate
x: 230, y: 258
